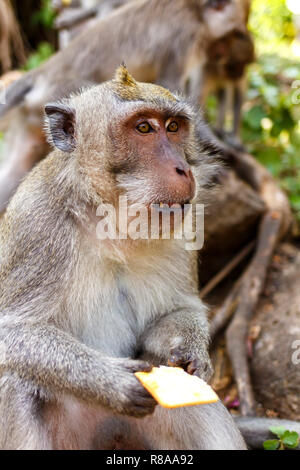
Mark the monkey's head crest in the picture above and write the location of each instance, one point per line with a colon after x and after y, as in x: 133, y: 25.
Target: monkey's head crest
x: 123, y: 77
x: 127, y: 88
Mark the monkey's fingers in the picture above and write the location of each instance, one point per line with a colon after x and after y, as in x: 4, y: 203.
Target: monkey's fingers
x: 144, y: 407
x: 138, y: 366
x: 180, y: 357
x: 191, y: 364
x: 141, y: 402
x: 200, y: 368
x: 141, y: 411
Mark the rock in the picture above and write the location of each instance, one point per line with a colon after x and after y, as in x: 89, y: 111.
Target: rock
x: 275, y: 363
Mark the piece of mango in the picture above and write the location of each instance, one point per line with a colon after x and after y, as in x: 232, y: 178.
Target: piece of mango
x: 172, y: 387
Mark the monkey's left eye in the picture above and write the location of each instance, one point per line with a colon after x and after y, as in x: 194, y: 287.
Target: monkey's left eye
x: 144, y: 128
x: 172, y: 127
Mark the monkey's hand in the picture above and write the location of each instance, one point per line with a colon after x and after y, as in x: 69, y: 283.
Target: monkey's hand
x: 180, y: 339
x: 127, y: 395
x: 195, y: 361
x: 72, y: 367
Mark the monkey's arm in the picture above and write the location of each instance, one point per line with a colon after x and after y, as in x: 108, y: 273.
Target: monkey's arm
x: 194, y: 84
x: 237, y: 108
x: 54, y: 360
x: 180, y: 338
x: 69, y: 19
x: 222, y: 98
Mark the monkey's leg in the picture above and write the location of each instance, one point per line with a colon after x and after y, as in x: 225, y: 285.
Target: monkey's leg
x: 234, y: 137
x: 202, y: 427
x: 222, y: 102
x: 20, y: 426
x: 194, y: 82
x: 73, y: 424
x: 30, y: 421
x: 116, y: 432
x: 237, y: 109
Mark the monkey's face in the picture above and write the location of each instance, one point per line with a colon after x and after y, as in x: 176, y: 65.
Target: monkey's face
x: 216, y: 4
x: 150, y: 159
x: 130, y: 139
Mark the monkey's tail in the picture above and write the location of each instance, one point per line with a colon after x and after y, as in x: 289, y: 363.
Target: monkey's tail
x: 15, y: 93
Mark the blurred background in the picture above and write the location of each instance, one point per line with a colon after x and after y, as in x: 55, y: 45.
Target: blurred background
x: 271, y: 118
x: 271, y: 113
x: 271, y: 134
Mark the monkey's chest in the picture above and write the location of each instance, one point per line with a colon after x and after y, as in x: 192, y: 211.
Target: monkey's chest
x: 114, y: 323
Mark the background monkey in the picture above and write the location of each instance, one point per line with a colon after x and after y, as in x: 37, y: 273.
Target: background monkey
x: 79, y: 315
x: 77, y: 15
x: 102, y: 5
x: 229, y: 51
x: 172, y: 54
x: 92, y: 58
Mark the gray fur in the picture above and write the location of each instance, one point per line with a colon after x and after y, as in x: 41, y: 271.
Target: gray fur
x: 62, y: 122
x: 80, y: 316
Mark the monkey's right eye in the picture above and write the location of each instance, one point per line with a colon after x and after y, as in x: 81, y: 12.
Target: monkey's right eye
x: 144, y: 128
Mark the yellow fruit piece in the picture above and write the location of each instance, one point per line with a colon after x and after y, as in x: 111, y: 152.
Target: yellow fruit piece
x: 172, y: 387
x: 66, y: 3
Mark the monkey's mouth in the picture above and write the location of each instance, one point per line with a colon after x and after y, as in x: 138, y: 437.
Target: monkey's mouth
x: 171, y: 207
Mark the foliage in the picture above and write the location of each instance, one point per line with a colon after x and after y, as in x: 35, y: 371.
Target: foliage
x: 271, y: 127
x: 272, y: 25
x: 45, y: 15
x: 44, y: 52
x: 45, y: 18
x: 285, y: 439
x: 271, y: 118
x: 271, y: 124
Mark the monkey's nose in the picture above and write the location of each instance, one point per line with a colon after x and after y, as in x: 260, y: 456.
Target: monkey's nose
x: 184, y: 181
x: 182, y: 172
x: 183, y: 169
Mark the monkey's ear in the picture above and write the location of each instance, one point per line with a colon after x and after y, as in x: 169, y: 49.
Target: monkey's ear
x: 62, y: 126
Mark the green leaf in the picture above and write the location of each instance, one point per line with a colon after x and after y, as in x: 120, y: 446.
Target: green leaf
x: 270, y: 157
x: 44, y: 52
x: 292, y: 72
x: 279, y: 431
x: 271, y: 445
x: 254, y: 116
x: 290, y: 439
x: 271, y: 95
x: 295, y: 201
x: 45, y: 15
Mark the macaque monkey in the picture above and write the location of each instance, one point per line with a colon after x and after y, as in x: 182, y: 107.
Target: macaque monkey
x: 79, y: 314
x: 74, y: 16
x: 59, y: 5
x: 91, y: 58
x: 228, y: 52
x: 155, y: 49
